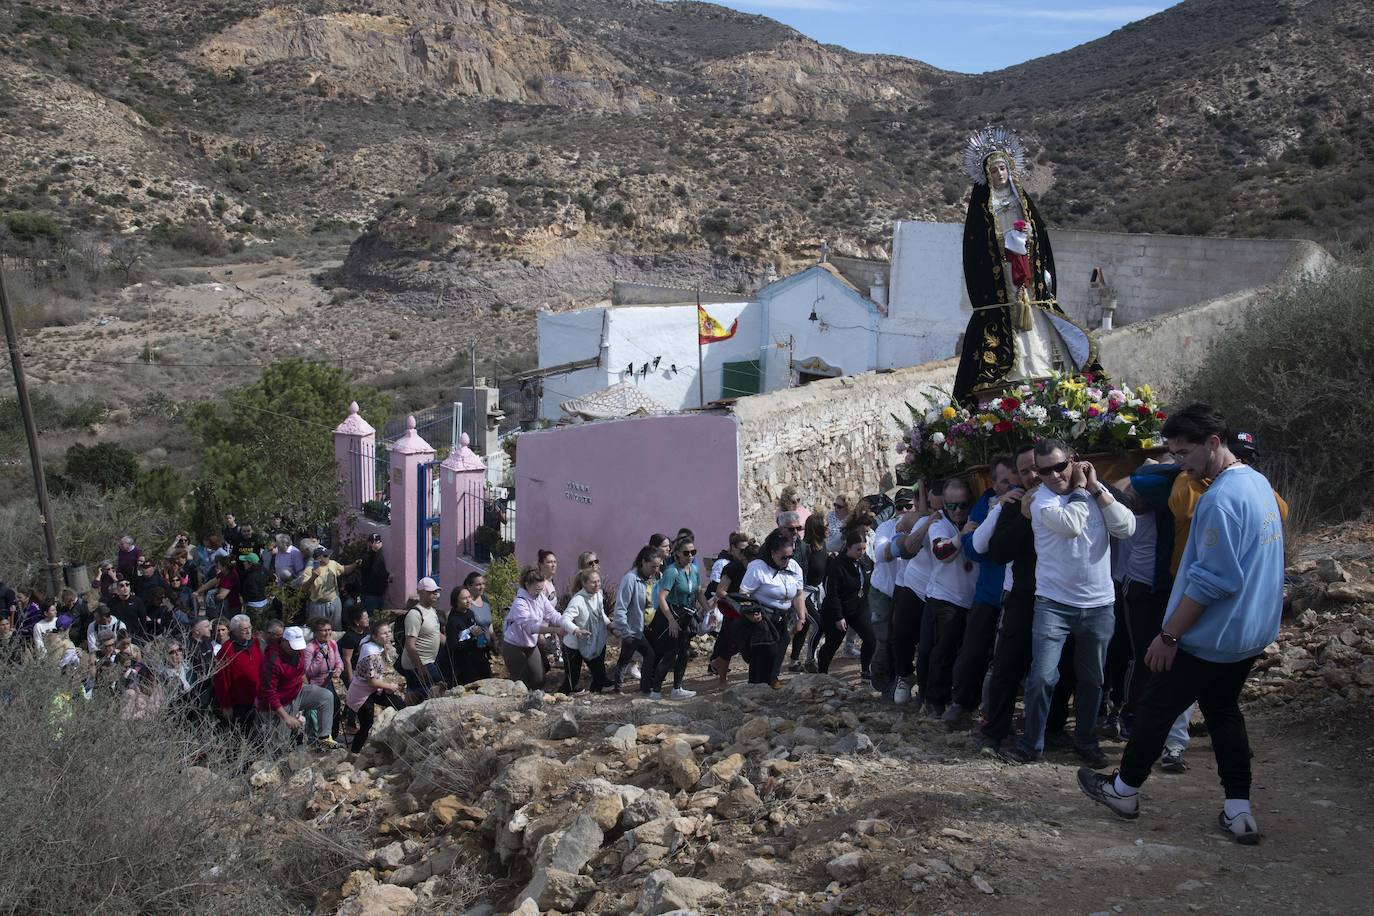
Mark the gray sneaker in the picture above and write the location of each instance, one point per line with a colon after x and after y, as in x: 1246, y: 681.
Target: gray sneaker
x: 1242, y: 827
x: 1102, y: 789
x: 1172, y: 760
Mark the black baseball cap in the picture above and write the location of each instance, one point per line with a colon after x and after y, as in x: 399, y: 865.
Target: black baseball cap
x: 1244, y: 443
x: 904, y: 495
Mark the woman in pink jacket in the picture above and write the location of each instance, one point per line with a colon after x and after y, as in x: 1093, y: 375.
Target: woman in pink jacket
x: 531, y: 614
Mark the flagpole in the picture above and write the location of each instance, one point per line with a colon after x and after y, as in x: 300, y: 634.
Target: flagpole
x: 701, y: 370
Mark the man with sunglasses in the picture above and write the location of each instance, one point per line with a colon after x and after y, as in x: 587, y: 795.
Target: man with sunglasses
x: 1073, y: 518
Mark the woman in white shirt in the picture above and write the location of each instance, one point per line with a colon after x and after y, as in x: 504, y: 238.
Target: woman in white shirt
x: 586, y: 613
x: 775, y: 582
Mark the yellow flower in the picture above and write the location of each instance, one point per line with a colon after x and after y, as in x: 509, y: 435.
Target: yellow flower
x: 948, y: 413
x: 987, y: 418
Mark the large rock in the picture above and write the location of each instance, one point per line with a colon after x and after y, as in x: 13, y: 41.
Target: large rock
x: 562, y: 890
x: 722, y: 772
x: 650, y: 806
x: 380, y: 900
x: 740, y: 800
x: 604, y: 801
x: 624, y: 739
x: 517, y: 785
x: 1351, y: 592
x: 675, y: 757
x: 664, y: 892
x: 564, y: 852
x: 565, y: 726
x: 848, y: 867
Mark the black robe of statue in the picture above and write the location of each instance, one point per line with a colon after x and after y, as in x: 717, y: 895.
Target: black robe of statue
x: 990, y: 339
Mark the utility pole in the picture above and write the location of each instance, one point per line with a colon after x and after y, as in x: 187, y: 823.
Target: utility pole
x: 31, y: 433
x: 472, y: 364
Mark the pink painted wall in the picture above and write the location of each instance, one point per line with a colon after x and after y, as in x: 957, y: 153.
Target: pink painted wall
x: 607, y: 486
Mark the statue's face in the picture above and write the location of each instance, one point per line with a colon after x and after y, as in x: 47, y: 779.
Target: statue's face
x: 999, y: 173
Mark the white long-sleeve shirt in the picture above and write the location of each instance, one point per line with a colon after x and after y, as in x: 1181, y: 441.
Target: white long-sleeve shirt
x: 1073, y: 546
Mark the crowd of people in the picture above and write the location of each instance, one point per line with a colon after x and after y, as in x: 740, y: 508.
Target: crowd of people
x: 1128, y: 601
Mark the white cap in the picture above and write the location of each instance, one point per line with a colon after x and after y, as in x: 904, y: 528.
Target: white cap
x: 427, y: 585
x: 294, y: 637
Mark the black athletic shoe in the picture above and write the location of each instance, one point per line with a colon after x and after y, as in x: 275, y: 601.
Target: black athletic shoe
x: 1092, y: 756
x: 1015, y: 755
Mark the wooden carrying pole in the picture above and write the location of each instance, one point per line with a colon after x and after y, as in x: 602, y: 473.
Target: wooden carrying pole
x: 31, y: 433
x: 701, y: 363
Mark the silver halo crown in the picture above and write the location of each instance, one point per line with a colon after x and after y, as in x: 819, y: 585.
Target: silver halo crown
x: 983, y: 143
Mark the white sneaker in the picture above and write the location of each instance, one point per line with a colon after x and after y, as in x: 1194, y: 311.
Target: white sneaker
x: 633, y: 671
x: 655, y: 695
x: 682, y: 693
x: 902, y: 694
x: 1242, y: 827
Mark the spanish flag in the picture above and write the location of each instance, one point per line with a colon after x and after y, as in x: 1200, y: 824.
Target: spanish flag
x: 709, y: 330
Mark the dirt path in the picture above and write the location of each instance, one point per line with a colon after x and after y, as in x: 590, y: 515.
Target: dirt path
x: 1000, y: 839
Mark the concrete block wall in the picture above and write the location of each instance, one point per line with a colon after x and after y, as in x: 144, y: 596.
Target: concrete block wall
x: 1152, y: 275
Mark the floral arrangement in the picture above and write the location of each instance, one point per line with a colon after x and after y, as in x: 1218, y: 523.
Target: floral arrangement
x: 1086, y: 412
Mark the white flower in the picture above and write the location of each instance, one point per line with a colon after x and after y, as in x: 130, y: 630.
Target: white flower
x: 937, y: 439
x: 1073, y: 414
x: 1131, y: 431
x: 1037, y: 413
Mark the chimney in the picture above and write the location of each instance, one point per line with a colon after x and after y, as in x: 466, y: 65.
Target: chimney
x: 878, y: 291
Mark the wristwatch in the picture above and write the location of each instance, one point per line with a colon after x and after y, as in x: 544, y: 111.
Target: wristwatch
x: 1168, y: 638
x: 1098, y: 492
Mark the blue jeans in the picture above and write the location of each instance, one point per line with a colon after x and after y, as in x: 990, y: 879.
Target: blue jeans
x: 1092, y: 630
x: 373, y: 603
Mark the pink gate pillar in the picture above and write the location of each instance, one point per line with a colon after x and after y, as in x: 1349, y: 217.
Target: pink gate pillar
x: 355, y: 452
x: 403, y: 548
x: 462, y: 492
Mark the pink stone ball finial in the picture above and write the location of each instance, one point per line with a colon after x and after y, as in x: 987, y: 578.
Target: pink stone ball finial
x: 353, y: 409
x: 410, y: 424
x: 464, y: 440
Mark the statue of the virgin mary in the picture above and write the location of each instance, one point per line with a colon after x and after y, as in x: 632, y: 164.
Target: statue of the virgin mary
x: 1018, y: 331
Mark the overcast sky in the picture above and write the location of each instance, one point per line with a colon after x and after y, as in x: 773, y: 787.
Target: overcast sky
x: 970, y: 37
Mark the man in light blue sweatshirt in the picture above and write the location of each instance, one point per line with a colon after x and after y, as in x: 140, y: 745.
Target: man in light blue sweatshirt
x: 1223, y: 610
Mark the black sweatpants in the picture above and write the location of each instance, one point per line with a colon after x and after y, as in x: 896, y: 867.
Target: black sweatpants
x: 1010, y: 663
x: 908, y: 610
x: 1118, y: 665
x: 1215, y: 687
x: 629, y: 645
x: 366, y: 715
x: 948, y: 625
x: 572, y: 670
x: 971, y: 667
x: 672, y: 651
x: 834, y: 638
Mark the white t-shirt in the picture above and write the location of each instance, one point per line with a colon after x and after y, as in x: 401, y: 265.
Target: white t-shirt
x: 951, y: 580
x: 1071, y: 568
x: 916, y: 576
x: 774, y: 588
x: 885, y: 571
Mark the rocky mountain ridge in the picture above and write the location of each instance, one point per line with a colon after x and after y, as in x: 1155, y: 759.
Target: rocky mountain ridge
x: 526, y: 152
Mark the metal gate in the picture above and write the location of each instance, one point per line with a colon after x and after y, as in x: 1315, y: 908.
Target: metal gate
x: 427, y: 519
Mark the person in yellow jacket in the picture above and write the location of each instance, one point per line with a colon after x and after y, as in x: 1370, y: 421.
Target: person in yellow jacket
x: 1186, y: 492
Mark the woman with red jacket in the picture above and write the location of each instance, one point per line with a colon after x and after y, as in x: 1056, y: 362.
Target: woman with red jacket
x: 238, y: 669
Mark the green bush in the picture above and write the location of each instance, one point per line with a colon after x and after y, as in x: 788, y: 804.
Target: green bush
x: 105, y: 465
x: 502, y: 576
x: 1296, y: 373
x: 30, y: 227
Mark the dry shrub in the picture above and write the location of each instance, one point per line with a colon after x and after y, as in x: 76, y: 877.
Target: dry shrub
x: 1296, y: 373
x: 107, y: 814
x: 313, y: 859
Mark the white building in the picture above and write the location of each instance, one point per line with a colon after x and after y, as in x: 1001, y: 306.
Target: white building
x: 848, y: 316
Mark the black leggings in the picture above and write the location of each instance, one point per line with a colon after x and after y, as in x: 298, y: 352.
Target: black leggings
x: 834, y: 637
x: 572, y: 671
x: 672, y: 651
x: 366, y: 715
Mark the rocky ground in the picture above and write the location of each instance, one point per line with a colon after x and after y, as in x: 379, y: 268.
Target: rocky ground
x: 820, y: 798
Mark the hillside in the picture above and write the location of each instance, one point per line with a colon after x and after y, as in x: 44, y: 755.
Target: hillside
x: 525, y: 152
